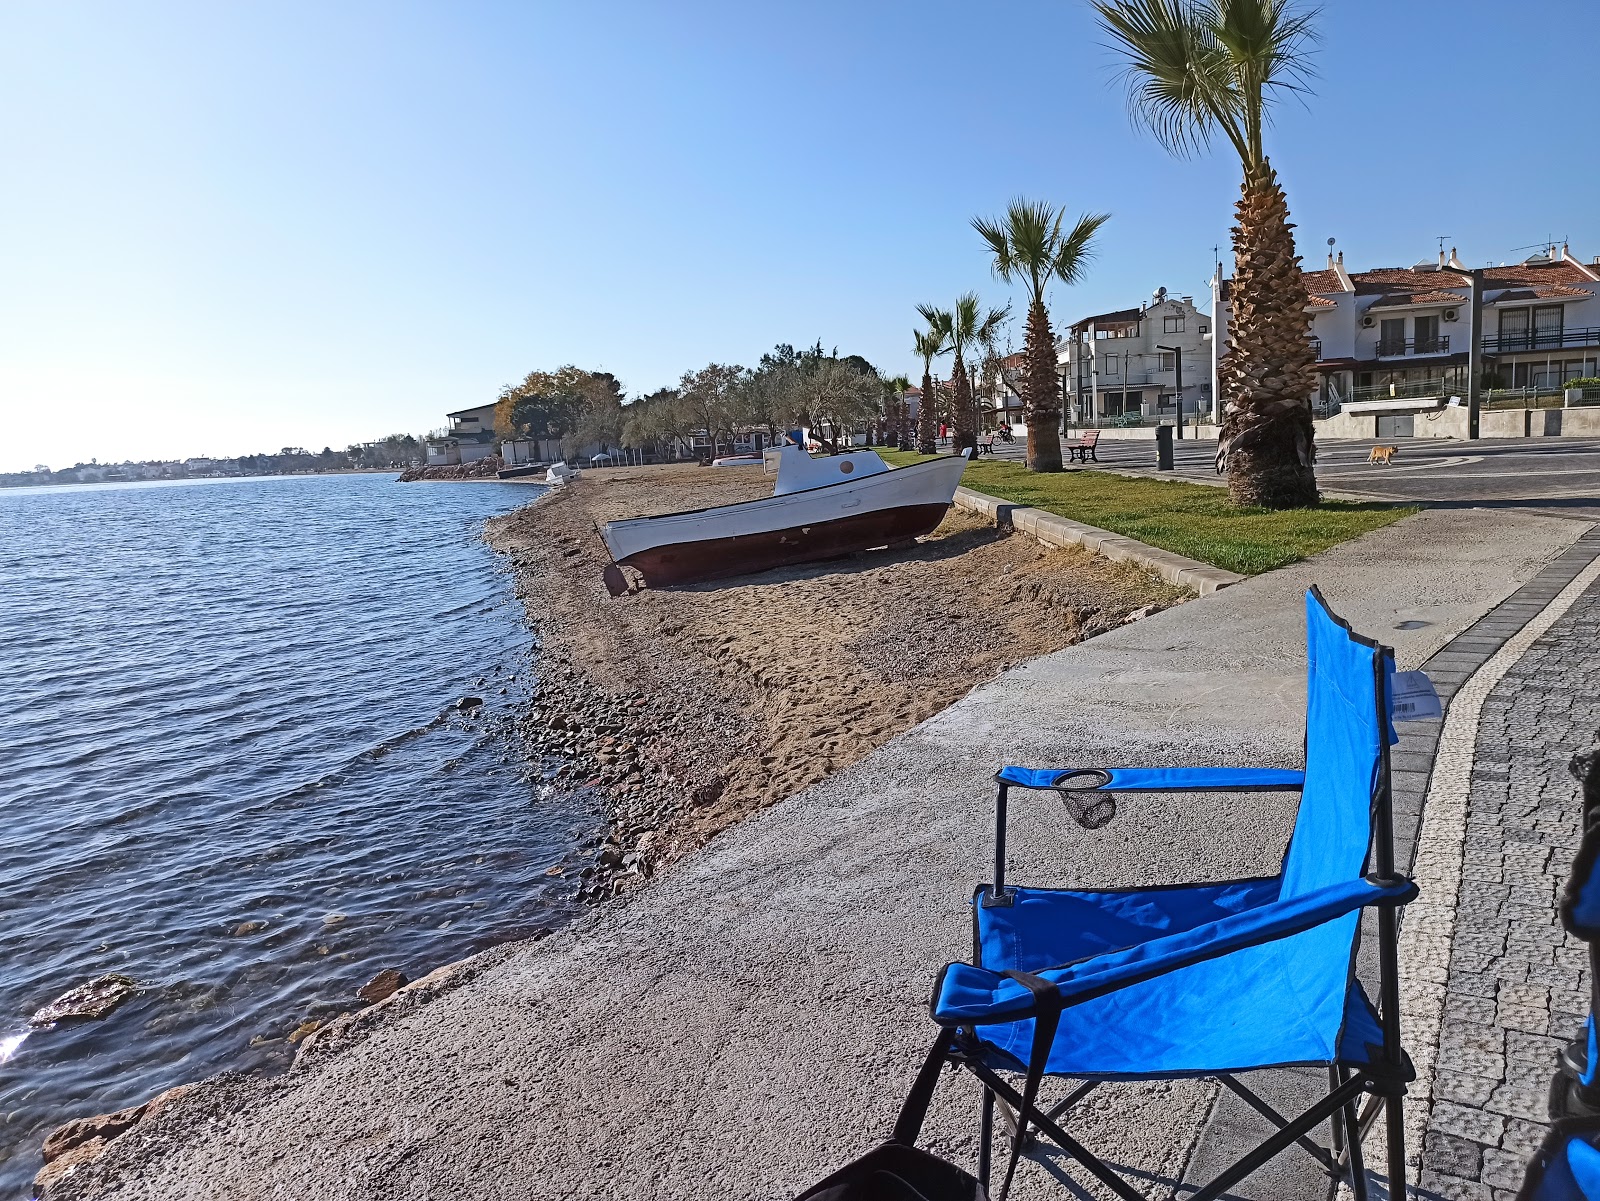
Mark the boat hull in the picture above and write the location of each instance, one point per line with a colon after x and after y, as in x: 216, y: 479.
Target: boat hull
x: 745, y: 554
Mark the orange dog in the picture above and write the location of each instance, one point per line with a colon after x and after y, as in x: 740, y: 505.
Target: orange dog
x: 1382, y: 454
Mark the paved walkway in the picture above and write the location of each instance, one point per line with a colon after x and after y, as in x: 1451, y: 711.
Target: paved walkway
x: 1516, y: 987
x: 751, y: 1020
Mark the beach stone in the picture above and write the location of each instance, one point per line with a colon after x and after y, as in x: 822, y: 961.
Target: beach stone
x: 470, y: 702
x: 383, y: 986
x: 75, y: 1143
x: 244, y: 928
x: 304, y: 1030
x: 92, y: 1000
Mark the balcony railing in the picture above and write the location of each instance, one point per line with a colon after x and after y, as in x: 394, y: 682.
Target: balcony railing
x: 1422, y: 389
x: 1541, y: 339
x: 1393, y: 348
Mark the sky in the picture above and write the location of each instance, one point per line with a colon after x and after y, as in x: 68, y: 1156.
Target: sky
x: 229, y: 228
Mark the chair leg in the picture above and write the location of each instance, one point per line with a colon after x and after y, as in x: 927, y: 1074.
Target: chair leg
x: 1395, y: 1116
x: 1358, y: 1166
x: 985, y: 1138
x: 1335, y: 1123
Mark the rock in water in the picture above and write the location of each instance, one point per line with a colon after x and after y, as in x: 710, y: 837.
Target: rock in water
x: 92, y: 1000
x: 382, y: 986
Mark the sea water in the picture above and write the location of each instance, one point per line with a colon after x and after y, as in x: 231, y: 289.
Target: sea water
x: 234, y: 766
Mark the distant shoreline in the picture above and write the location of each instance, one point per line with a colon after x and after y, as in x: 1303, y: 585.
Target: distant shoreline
x: 200, y: 479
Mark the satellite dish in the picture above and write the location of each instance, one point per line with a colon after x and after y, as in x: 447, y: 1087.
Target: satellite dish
x: 1161, y: 294
x: 1330, y: 243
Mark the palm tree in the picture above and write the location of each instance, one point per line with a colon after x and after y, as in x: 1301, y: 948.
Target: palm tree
x: 899, y: 412
x: 965, y: 325
x: 929, y: 345
x: 1029, y: 246
x: 1196, y: 68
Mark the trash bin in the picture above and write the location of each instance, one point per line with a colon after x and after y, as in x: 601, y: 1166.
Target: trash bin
x: 1163, y: 448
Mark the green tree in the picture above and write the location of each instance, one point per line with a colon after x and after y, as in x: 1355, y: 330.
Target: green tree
x: 968, y: 324
x: 1196, y: 68
x: 1031, y: 248
x: 711, y: 396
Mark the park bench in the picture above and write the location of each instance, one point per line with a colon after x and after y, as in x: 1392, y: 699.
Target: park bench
x: 986, y: 444
x: 1083, y: 449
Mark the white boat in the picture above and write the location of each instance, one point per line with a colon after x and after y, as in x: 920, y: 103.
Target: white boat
x: 558, y: 474
x: 819, y: 509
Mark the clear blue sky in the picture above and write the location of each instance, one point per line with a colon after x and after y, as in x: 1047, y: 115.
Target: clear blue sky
x: 233, y: 227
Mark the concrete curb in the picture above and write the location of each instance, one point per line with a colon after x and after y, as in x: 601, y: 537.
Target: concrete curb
x: 1054, y: 530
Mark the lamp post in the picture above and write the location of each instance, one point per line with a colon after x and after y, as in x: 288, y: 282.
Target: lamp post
x: 1177, y: 353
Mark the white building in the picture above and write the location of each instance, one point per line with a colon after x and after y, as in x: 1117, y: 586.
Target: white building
x: 469, y: 438
x: 1124, y: 365
x: 1402, y: 332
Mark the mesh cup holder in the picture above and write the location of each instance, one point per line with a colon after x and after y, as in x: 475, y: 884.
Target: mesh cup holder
x: 1080, y: 793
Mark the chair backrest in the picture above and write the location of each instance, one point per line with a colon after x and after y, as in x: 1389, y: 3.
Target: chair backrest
x: 1347, y: 735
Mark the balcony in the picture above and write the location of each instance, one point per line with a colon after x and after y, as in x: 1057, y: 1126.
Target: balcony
x: 1394, y: 348
x: 1541, y: 339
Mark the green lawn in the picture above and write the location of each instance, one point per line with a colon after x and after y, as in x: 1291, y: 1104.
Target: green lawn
x: 1188, y: 519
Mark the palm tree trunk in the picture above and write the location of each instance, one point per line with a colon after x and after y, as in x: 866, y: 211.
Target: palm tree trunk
x: 961, y: 405
x: 902, y: 431
x: 1041, y: 396
x: 1266, y: 442
x: 927, y: 424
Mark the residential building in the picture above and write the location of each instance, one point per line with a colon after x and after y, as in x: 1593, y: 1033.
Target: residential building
x: 470, y: 437
x: 1124, y: 365
x: 1402, y: 332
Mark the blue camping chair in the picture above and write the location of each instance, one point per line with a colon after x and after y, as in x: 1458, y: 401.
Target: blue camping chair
x: 1567, y: 1166
x: 1206, y: 979
x: 1575, y: 1090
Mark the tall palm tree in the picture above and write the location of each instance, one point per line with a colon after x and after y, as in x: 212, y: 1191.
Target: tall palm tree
x: 929, y: 345
x: 899, y: 411
x: 968, y: 324
x: 1201, y: 67
x: 1030, y: 247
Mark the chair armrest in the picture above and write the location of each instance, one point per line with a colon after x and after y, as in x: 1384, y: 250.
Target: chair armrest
x: 1155, y: 779
x: 973, y: 996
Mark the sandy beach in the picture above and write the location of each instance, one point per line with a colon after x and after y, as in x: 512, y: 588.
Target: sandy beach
x: 691, y: 707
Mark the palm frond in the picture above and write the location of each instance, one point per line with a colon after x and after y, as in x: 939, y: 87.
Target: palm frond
x: 995, y: 234
x: 1180, y: 85
x: 1073, y: 252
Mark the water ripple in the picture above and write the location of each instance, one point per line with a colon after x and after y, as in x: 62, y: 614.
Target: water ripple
x: 224, y: 730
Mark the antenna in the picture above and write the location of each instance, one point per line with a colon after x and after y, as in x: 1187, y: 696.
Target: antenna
x: 1331, y: 241
x: 1443, y: 238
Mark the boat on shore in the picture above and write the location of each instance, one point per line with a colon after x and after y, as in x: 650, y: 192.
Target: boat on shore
x: 521, y: 470
x: 821, y: 508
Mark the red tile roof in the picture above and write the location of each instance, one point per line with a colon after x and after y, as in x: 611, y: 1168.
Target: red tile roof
x: 1431, y: 296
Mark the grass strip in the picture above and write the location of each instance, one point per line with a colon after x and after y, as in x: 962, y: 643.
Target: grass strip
x: 1194, y: 520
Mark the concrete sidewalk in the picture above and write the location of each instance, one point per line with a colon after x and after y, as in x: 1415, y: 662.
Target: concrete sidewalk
x: 752, y: 1020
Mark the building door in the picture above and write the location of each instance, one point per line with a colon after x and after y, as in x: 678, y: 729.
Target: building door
x: 1547, y: 325
x: 1392, y: 336
x: 1428, y: 335
x: 1514, y: 329
x: 1401, y: 425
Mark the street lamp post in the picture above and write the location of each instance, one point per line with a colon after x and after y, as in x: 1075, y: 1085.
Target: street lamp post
x: 1177, y: 353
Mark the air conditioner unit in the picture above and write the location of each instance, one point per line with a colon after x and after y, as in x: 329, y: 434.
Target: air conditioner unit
x: 1451, y: 314
x: 1367, y: 322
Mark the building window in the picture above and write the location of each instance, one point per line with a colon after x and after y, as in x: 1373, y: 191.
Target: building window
x: 1427, y: 331
x: 1392, y: 336
x: 1111, y: 366
x: 1172, y: 325
x: 1204, y: 329
x: 1168, y: 362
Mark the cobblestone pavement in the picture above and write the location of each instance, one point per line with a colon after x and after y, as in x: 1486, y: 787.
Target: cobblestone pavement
x: 1517, y: 986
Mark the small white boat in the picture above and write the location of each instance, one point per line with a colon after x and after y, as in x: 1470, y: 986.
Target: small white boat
x: 558, y: 474
x: 737, y: 461
x: 819, y: 509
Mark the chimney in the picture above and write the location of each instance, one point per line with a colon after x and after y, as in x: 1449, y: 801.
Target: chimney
x: 1330, y: 260
x: 1558, y: 253
x: 1455, y: 261
x: 1441, y: 258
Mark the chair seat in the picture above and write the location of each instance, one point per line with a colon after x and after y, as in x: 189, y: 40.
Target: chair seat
x: 1286, y: 1002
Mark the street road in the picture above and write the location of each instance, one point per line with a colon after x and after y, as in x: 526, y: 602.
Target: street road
x: 1557, y: 476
